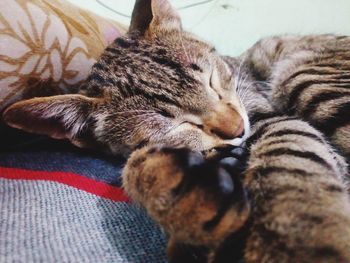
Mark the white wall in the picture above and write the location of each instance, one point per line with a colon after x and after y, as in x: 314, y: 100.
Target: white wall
x: 234, y: 25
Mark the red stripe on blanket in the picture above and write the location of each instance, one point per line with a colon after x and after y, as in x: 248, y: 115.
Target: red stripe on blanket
x: 77, y: 181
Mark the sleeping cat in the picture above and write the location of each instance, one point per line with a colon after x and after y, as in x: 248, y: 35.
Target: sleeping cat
x: 156, y: 83
x: 174, y: 102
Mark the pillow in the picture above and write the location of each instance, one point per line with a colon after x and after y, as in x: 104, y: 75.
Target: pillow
x: 48, y: 47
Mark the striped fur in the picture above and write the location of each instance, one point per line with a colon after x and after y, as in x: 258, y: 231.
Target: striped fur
x: 309, y: 77
x: 301, y: 210
x: 160, y: 85
x: 296, y: 180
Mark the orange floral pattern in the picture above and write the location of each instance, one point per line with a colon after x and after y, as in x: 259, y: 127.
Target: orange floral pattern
x: 48, y: 47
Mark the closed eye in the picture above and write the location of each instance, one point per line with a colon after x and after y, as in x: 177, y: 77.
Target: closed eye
x: 211, y: 81
x: 199, y: 126
x: 186, y: 125
x: 194, y: 120
x: 166, y: 113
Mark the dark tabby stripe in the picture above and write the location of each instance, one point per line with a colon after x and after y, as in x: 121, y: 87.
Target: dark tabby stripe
x: 337, y: 65
x: 259, y: 116
x: 294, y: 132
x: 154, y: 96
x: 308, y: 71
x: 300, y: 88
x: 263, y: 128
x: 311, y: 218
x: 276, y: 142
x: 307, y: 155
x: 320, y: 98
x: 286, y: 190
x: 267, y: 171
x: 173, y: 65
x: 334, y: 188
x: 341, y: 76
x: 339, y: 119
x: 101, y: 66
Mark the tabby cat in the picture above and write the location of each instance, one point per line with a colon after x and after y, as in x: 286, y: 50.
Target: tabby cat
x: 183, y: 111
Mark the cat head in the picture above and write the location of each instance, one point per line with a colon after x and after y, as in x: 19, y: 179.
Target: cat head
x: 157, y: 84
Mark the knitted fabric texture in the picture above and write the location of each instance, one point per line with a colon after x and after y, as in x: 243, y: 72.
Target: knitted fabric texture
x: 67, y: 205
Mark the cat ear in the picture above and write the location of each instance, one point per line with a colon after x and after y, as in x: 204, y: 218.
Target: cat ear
x: 60, y: 117
x: 154, y: 16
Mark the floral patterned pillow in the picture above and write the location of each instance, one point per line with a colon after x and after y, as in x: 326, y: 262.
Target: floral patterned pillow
x: 48, y: 47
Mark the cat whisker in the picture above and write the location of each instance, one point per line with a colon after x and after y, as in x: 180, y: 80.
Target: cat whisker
x: 242, y: 88
x: 238, y: 77
x: 135, y: 111
x: 184, y: 48
x: 243, y: 81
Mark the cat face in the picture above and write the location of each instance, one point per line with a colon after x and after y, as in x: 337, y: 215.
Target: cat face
x: 157, y: 84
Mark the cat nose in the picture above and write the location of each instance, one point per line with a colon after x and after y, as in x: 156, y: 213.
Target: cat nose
x: 240, y: 130
x: 229, y: 131
x: 225, y: 123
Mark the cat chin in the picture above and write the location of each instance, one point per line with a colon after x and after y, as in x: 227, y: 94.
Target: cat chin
x: 235, y: 142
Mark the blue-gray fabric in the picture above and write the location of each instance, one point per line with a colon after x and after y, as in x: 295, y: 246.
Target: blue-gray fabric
x: 47, y: 221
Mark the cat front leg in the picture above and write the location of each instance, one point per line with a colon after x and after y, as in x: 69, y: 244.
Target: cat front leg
x: 296, y: 181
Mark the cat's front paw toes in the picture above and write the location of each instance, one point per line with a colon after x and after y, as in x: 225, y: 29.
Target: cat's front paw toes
x: 233, y: 159
x: 197, y: 201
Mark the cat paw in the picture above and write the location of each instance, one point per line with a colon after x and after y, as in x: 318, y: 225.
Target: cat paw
x: 233, y: 158
x: 197, y: 201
